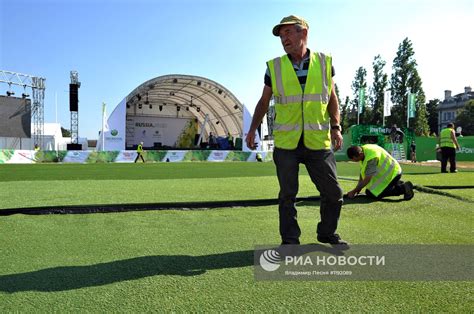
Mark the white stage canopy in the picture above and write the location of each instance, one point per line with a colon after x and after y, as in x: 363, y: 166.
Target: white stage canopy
x: 153, y: 111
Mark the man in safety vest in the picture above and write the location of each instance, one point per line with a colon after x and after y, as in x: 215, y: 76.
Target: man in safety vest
x: 448, y: 144
x: 306, y: 123
x: 140, y: 152
x: 379, y: 172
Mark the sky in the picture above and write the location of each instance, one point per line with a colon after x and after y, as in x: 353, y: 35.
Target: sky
x: 116, y: 45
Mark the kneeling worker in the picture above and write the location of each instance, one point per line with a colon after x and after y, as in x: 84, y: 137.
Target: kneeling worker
x: 380, y: 172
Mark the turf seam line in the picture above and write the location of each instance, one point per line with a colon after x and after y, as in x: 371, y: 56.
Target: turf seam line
x: 430, y: 190
x: 449, y: 187
x: 114, y: 208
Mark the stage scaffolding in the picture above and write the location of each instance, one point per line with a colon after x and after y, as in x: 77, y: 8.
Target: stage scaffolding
x: 37, y: 86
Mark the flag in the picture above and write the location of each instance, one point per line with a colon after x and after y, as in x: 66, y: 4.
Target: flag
x: 105, y: 125
x: 361, y: 100
x: 411, y: 105
x: 387, y: 104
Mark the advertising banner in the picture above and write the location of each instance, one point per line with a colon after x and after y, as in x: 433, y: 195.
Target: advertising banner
x: 6, y: 155
x: 22, y: 157
x: 266, y: 156
x: 174, y: 155
x: 76, y: 156
x: 126, y: 156
x: 217, y: 155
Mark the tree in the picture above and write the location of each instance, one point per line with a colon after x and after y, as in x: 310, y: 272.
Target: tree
x: 344, y: 114
x: 343, y: 107
x: 465, y: 118
x: 432, y: 110
x: 65, y: 132
x: 377, y: 91
x: 421, y: 118
x: 405, y: 79
x: 358, y: 83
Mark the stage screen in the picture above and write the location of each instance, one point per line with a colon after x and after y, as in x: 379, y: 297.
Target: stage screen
x: 157, y: 132
x: 15, y: 117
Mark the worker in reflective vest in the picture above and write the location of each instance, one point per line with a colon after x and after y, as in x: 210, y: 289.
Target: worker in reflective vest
x: 305, y: 126
x: 448, y: 144
x: 380, y: 173
x: 140, y: 152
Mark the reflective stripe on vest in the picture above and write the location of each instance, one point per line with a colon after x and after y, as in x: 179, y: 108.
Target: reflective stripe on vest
x: 387, y: 168
x: 298, y: 111
x: 296, y: 127
x: 446, y: 140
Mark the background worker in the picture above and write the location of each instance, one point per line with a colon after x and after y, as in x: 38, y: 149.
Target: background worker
x: 379, y: 172
x: 413, y: 151
x: 140, y: 152
x: 448, y: 144
x: 230, y: 140
x: 307, y: 122
x: 212, y: 141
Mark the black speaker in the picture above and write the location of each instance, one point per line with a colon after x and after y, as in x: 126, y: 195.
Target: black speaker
x: 73, y: 97
x: 74, y: 146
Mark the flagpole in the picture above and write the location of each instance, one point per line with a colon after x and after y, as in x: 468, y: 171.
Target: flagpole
x: 383, y: 109
x: 103, y: 119
x: 408, y: 109
x: 360, y: 104
x: 56, y: 144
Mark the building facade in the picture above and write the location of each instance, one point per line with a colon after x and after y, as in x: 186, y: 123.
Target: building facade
x: 449, y: 107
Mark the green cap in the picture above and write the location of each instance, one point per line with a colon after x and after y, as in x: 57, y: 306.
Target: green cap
x: 290, y: 20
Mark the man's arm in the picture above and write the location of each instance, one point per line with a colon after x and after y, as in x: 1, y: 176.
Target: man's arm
x: 260, y: 111
x: 334, y: 116
x: 454, y: 139
x: 360, y: 185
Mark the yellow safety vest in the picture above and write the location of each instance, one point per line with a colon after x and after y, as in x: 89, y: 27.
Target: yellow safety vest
x: 446, y: 140
x: 387, y: 168
x: 299, y: 111
x: 140, y: 148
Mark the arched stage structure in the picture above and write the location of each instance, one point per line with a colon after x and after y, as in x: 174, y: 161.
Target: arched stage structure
x: 174, y: 112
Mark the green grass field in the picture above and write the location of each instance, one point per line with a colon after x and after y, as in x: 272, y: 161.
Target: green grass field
x: 202, y: 260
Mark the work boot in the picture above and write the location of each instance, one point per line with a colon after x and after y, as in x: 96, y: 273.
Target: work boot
x: 408, y: 191
x: 334, y: 239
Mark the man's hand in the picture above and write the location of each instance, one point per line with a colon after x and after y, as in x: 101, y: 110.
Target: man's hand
x: 250, y: 140
x: 352, y: 194
x: 336, y: 139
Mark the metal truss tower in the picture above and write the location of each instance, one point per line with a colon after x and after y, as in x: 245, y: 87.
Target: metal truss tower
x: 75, y: 84
x: 37, y: 85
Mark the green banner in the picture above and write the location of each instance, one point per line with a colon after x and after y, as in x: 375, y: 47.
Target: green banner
x: 361, y: 100
x: 411, y: 105
x: 426, y: 148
